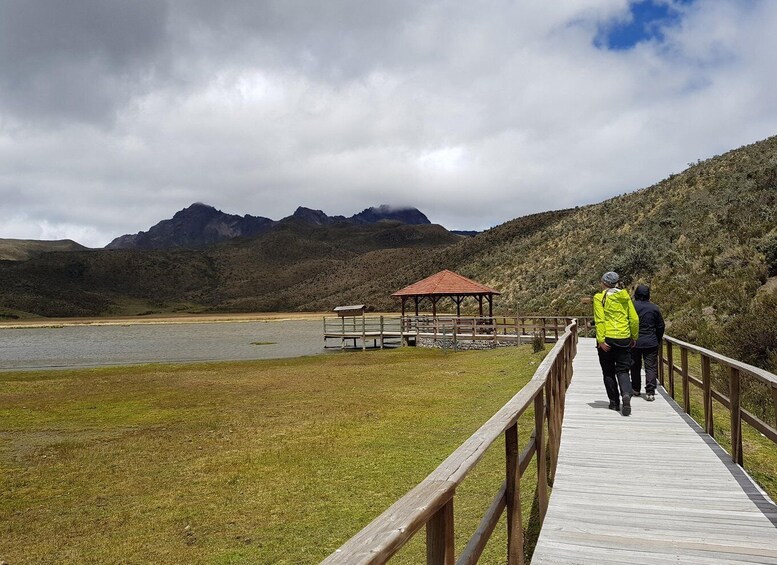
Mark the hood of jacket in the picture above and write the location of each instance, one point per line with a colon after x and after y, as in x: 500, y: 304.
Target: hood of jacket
x: 620, y: 295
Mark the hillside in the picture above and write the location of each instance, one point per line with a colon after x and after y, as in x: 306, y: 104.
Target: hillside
x: 24, y: 249
x: 236, y: 275
x: 705, y: 240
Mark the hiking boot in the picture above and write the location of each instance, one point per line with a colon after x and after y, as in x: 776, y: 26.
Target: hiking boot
x: 650, y: 397
x: 616, y: 407
x: 635, y: 393
x: 626, y: 405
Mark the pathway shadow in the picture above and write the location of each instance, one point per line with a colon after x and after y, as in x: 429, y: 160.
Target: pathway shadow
x: 600, y: 404
x: 754, y: 492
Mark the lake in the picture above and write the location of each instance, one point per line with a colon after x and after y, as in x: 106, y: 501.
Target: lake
x: 96, y: 346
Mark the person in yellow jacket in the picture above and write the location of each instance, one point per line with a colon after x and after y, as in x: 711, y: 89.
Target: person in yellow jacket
x: 617, y: 329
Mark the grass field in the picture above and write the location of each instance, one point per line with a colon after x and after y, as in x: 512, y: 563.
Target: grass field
x: 254, y: 462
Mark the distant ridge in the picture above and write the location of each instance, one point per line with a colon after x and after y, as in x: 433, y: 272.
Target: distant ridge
x: 24, y: 249
x: 195, y: 226
x: 201, y: 224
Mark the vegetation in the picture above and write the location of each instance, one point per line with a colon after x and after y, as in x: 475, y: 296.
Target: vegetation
x: 262, y: 462
x: 704, y: 240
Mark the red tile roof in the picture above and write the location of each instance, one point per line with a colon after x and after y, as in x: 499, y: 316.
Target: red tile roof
x: 445, y: 283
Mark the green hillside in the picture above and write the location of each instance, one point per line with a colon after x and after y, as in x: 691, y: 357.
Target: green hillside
x: 705, y: 240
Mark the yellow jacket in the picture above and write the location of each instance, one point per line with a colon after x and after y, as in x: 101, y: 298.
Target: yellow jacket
x: 614, y: 315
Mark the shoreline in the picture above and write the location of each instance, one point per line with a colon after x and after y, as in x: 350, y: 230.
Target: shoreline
x: 160, y: 319
x: 168, y: 319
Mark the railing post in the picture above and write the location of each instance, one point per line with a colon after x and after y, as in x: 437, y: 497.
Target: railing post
x: 542, y: 468
x: 709, y: 426
x: 686, y: 382
x: 513, y: 498
x: 381, y: 332
x: 661, y: 365
x: 439, y: 537
x: 670, y: 362
x: 774, y: 402
x: 736, y: 416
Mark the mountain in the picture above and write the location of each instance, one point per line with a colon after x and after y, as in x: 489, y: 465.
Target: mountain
x: 201, y: 224
x: 405, y: 215
x: 24, y: 249
x: 704, y: 239
x: 197, y: 225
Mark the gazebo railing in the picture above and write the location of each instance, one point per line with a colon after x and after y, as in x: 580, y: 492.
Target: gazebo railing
x: 548, y: 327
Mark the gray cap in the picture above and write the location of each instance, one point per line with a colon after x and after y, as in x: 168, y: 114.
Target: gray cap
x: 610, y: 278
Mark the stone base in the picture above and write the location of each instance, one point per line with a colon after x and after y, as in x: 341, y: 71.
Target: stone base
x: 463, y: 345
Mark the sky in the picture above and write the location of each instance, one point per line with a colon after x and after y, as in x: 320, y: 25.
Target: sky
x: 114, y: 115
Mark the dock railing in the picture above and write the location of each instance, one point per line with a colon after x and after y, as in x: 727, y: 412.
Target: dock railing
x: 736, y: 371
x: 480, y: 327
x: 431, y: 503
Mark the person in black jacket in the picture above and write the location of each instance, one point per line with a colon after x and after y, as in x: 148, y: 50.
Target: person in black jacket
x: 651, y: 331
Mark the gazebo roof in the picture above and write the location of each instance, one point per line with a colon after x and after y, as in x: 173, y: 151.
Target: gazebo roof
x: 445, y: 283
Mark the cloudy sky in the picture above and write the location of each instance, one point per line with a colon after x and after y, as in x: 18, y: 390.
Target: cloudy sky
x: 116, y: 114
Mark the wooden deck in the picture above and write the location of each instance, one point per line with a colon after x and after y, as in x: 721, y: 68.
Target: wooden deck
x: 649, y: 488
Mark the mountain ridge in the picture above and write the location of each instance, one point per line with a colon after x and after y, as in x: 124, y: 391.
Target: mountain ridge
x: 202, y: 224
x: 704, y: 239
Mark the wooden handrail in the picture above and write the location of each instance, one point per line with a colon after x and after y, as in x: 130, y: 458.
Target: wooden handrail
x: 430, y: 503
x: 732, y: 401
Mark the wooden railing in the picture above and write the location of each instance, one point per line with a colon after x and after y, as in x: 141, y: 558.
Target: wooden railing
x: 548, y: 327
x: 668, y: 369
x: 431, y: 503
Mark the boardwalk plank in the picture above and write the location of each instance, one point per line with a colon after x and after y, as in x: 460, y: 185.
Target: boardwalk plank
x: 649, y: 488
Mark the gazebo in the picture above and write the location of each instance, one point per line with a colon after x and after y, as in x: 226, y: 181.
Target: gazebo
x: 447, y: 284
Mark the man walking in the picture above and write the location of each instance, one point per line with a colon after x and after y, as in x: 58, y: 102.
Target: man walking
x: 651, y: 331
x: 617, y: 328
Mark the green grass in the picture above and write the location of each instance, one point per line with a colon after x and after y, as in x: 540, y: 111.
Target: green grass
x: 259, y: 462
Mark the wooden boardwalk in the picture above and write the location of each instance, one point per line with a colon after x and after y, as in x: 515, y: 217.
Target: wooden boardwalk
x: 649, y: 488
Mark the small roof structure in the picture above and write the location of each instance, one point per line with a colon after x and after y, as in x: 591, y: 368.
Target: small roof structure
x: 447, y: 284
x: 354, y: 310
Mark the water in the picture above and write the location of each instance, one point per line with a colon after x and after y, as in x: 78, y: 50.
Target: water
x: 95, y: 346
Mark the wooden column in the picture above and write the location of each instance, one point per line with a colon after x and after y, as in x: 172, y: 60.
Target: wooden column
x: 774, y: 400
x: 707, y: 387
x: 686, y: 381
x: 670, y: 363
x: 513, y: 498
x: 439, y: 537
x: 480, y: 305
x: 490, y: 299
x: 403, y: 306
x: 736, y: 416
x: 416, y: 305
x: 539, y: 438
x: 661, y: 364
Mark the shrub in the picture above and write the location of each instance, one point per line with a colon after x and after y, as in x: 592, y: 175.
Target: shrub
x: 751, y: 336
x: 768, y: 246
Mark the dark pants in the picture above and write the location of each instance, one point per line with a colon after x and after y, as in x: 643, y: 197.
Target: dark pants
x: 650, y: 355
x: 615, y: 368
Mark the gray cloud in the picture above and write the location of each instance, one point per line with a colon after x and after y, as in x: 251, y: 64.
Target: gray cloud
x: 79, y: 60
x: 116, y: 114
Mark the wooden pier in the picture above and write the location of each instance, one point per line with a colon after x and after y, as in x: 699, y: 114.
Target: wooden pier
x: 447, y: 331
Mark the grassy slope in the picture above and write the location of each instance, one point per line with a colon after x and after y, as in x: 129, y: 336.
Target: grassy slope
x: 269, y: 462
x: 704, y: 239
x: 23, y: 249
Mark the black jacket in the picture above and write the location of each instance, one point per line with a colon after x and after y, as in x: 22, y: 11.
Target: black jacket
x: 651, y: 324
